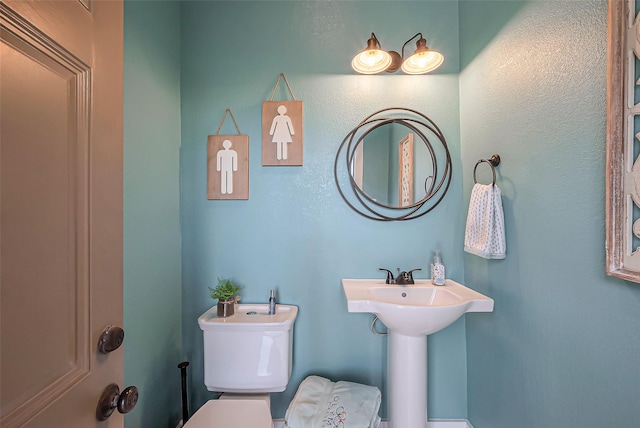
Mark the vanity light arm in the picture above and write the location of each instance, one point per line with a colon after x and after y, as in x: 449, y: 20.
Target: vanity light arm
x: 407, y: 42
x: 373, y: 42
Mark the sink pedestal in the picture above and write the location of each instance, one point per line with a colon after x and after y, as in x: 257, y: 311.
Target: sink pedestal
x: 407, y: 372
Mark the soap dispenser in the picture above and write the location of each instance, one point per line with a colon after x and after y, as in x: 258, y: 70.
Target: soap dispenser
x: 437, y: 270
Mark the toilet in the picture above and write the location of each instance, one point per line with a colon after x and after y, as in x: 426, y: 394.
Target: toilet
x: 247, y: 356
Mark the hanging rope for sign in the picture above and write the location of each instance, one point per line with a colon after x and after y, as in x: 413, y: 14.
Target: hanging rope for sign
x: 222, y: 121
x: 276, y: 87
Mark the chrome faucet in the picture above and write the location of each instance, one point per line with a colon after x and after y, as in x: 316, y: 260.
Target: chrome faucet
x: 403, y: 278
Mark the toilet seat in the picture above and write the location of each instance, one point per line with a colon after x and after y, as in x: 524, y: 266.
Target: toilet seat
x: 232, y: 413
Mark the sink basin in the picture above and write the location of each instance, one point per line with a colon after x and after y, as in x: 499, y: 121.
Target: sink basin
x: 414, y: 310
x: 411, y: 313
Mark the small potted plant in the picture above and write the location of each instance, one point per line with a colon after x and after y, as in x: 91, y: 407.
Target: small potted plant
x: 225, y: 292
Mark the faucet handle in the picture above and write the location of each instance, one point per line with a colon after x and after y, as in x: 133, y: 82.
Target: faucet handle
x: 389, y: 279
x: 406, y: 277
x: 410, y: 275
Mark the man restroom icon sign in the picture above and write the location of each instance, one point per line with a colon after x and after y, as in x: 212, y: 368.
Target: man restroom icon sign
x: 227, y: 163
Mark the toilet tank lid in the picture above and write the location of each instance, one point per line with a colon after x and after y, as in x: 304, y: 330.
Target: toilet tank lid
x: 250, y: 317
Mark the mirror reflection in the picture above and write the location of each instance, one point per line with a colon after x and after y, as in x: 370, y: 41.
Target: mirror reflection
x: 392, y: 166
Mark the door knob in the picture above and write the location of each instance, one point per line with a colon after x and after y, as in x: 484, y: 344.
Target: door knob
x: 110, y: 339
x: 112, y: 399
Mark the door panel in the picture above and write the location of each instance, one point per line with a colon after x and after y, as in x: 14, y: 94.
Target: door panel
x: 60, y: 209
x: 44, y: 203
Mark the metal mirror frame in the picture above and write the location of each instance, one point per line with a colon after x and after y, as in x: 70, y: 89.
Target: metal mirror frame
x: 436, y: 186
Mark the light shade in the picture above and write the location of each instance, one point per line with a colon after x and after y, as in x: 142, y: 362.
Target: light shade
x: 372, y: 60
x: 423, y: 60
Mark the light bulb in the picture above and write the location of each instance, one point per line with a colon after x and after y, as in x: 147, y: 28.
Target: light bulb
x: 422, y: 62
x: 371, y: 61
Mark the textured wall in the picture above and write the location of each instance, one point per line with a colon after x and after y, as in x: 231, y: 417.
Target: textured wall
x: 152, y: 292
x: 294, y: 233
x: 561, y: 348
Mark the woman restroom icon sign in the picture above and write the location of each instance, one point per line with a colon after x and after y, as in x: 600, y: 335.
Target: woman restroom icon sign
x: 282, y: 131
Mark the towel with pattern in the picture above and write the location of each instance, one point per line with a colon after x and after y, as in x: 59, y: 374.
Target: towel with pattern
x: 320, y: 403
x: 484, y: 235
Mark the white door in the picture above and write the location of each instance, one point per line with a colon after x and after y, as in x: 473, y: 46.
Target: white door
x: 60, y: 209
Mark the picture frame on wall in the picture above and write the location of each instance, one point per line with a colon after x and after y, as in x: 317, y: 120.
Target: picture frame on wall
x: 227, y: 165
x: 282, y: 130
x: 622, y: 180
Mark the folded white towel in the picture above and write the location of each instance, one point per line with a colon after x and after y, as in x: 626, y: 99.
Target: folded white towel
x: 484, y: 235
x: 320, y: 403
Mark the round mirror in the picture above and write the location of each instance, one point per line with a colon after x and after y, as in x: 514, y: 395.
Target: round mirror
x: 395, y: 165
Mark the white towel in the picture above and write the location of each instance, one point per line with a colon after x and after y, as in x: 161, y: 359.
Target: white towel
x: 320, y: 403
x: 484, y: 234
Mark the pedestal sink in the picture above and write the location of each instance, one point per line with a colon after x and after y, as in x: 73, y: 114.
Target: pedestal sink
x: 411, y: 313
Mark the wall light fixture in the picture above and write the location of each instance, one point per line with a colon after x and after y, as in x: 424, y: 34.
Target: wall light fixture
x: 373, y: 59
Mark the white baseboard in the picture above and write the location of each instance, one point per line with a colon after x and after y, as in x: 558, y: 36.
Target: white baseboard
x: 434, y: 423
x: 448, y: 423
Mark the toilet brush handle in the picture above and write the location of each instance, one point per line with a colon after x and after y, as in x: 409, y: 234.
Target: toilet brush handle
x: 185, y: 404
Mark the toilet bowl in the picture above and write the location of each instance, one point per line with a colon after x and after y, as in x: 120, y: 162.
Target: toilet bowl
x: 247, y: 356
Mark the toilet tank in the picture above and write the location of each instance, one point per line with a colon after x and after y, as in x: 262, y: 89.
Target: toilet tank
x: 249, y: 351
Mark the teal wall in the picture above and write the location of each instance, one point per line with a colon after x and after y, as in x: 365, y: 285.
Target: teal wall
x: 152, y: 290
x: 561, y: 348
x: 294, y: 233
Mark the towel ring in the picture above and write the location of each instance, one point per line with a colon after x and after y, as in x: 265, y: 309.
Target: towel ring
x: 493, y: 162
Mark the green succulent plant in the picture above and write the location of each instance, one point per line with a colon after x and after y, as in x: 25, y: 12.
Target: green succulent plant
x: 225, y: 290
